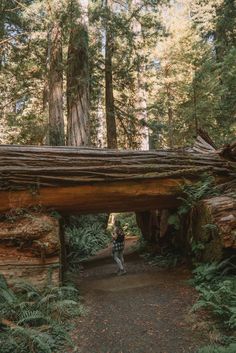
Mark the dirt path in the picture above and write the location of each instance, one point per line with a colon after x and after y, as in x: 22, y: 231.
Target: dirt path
x: 142, y: 312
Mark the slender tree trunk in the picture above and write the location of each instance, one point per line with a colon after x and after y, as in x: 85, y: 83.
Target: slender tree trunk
x: 55, y: 84
x: 195, y: 108
x: 2, y: 27
x: 109, y: 97
x: 78, y: 126
x: 170, y: 117
x: 101, y: 120
x: 141, y: 108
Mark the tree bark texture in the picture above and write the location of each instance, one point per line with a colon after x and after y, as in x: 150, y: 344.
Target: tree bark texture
x: 213, y: 226
x: 29, y: 248
x: 141, y: 93
x: 78, y: 126
x: 55, y: 84
x: 147, y: 221
x: 109, y: 95
x: 94, y: 180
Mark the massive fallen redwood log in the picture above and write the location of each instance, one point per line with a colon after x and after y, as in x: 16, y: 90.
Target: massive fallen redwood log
x: 213, y: 226
x: 30, y: 248
x: 94, y: 180
x: 83, y: 180
x: 209, y: 230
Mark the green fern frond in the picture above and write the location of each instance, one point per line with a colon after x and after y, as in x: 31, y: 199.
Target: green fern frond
x: 32, y: 317
x: 218, y: 349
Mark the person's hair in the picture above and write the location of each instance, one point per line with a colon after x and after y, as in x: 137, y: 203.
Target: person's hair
x: 117, y: 223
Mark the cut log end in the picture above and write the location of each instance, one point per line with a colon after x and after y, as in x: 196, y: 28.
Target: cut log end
x: 29, y: 249
x: 213, y: 224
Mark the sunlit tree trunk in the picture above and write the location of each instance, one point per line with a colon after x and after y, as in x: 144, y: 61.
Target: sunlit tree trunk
x: 78, y: 126
x: 141, y: 94
x: 55, y: 85
x: 101, y: 120
x: 109, y: 96
x: 170, y: 116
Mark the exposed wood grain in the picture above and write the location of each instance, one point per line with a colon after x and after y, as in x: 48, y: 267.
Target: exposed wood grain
x: 29, y: 248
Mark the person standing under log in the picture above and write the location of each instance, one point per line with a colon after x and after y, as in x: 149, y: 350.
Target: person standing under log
x: 118, y: 245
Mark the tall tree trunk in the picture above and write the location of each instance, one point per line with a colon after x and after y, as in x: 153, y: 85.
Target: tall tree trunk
x: 78, y: 127
x: 55, y: 84
x: 141, y: 108
x: 195, y: 108
x: 109, y: 97
x: 141, y: 94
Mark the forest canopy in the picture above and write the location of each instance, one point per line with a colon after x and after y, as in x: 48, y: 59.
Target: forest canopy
x: 133, y: 74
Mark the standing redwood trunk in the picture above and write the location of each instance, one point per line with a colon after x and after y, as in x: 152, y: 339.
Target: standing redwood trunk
x: 55, y: 84
x: 170, y: 120
x: 141, y: 93
x: 78, y: 128
x: 109, y: 97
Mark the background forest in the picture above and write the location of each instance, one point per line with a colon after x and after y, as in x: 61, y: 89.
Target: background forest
x: 115, y: 73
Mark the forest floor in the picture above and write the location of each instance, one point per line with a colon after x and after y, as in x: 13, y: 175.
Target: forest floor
x: 145, y: 311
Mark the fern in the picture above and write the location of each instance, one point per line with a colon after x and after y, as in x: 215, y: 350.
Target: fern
x: 86, y: 235
x: 34, y: 317
x: 216, y: 284
x: 218, y: 349
x: 168, y: 260
x: 38, y: 317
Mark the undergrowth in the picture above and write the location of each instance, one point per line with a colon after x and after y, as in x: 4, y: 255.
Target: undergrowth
x: 216, y: 284
x: 192, y: 194
x: 86, y: 235
x: 129, y: 224
x: 36, y: 321
x: 168, y: 260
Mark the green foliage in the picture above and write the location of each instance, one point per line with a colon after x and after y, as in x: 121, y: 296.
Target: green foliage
x: 86, y: 235
x: 168, y: 260
x: 174, y: 220
x: 216, y: 284
x: 192, y: 194
x: 196, y: 192
x: 38, y: 318
x: 218, y: 349
x: 185, y: 63
x: 129, y: 224
x: 197, y: 247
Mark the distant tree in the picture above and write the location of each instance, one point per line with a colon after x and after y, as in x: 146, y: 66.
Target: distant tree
x: 78, y: 124
x: 109, y: 92
x: 55, y: 80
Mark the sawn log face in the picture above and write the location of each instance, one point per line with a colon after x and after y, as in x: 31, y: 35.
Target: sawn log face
x: 29, y: 249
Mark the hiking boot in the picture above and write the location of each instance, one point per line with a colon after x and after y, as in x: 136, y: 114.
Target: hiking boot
x: 122, y: 272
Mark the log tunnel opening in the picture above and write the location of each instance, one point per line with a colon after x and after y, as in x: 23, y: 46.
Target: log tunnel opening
x: 89, y: 180
x: 149, y: 226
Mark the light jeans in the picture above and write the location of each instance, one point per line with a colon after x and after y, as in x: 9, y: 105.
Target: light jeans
x: 119, y: 259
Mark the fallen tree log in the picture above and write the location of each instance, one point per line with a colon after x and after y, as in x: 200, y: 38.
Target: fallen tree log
x: 213, y: 227
x: 30, y: 249
x: 94, y: 180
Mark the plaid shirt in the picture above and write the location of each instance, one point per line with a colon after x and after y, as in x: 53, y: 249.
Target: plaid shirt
x: 118, y: 246
x: 119, y: 242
